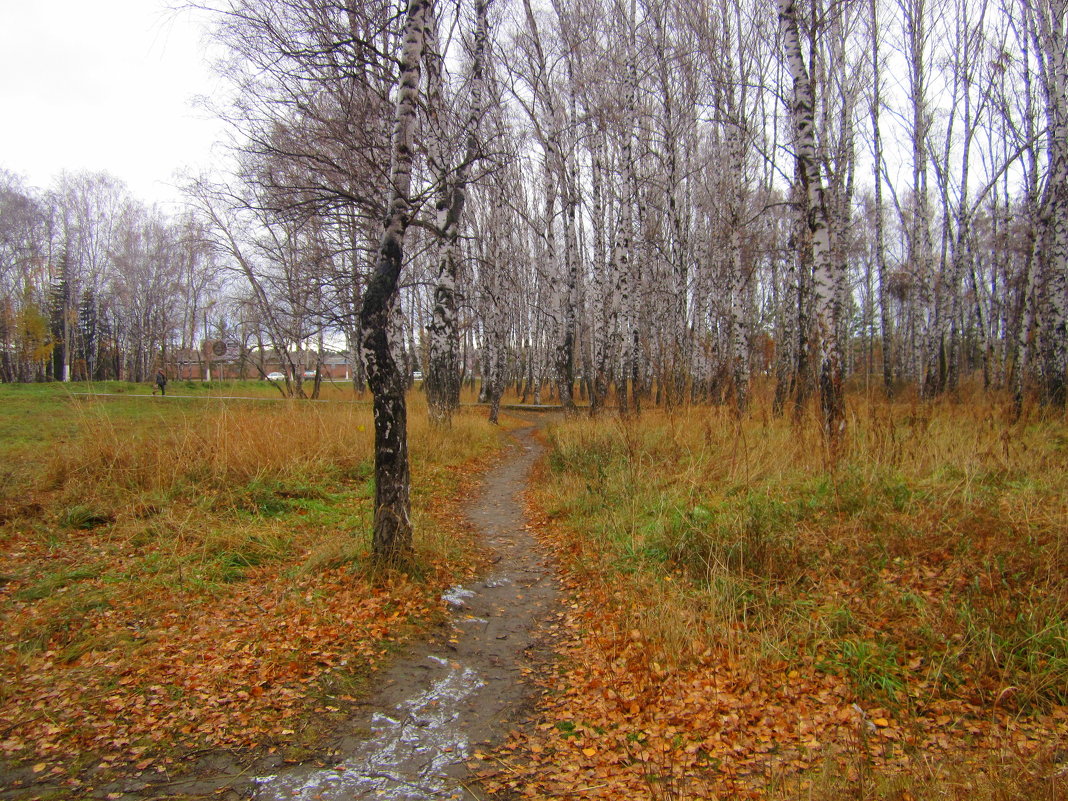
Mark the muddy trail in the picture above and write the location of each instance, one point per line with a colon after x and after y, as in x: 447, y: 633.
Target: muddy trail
x: 434, y: 705
x: 448, y: 695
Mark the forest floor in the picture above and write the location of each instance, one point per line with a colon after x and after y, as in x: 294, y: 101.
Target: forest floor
x: 186, y: 594
x: 746, y: 616
x: 726, y: 613
x: 404, y: 730
x: 458, y: 691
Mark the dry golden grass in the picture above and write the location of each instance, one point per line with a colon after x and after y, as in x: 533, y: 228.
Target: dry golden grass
x: 224, y: 445
x: 926, y: 569
x: 185, y: 547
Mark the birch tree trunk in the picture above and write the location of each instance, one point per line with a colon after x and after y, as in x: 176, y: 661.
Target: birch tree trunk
x: 623, y: 246
x: 739, y: 332
x: 1051, y: 41
x: 1022, y: 345
x: 604, y: 308
x: 443, y: 371
x: 877, y: 176
x: 565, y: 349
x: 392, y: 539
x: 920, y: 246
x: 827, y: 273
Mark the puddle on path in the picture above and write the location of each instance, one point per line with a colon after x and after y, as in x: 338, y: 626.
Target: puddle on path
x: 435, y: 705
x: 405, y: 757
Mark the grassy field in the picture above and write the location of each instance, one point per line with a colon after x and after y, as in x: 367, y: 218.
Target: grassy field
x: 192, y: 573
x: 754, y: 619
x: 746, y: 618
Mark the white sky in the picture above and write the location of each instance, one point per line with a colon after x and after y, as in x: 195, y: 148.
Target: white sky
x: 104, y: 85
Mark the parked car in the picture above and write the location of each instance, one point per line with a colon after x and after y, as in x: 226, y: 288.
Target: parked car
x: 309, y: 374
x: 276, y: 376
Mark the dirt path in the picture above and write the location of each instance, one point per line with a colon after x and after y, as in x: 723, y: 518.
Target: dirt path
x: 458, y: 690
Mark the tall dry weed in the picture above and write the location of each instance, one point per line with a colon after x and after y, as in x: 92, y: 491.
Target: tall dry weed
x: 938, y: 533
x: 223, y: 445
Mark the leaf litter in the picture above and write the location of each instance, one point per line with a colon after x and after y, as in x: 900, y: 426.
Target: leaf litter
x: 614, y: 722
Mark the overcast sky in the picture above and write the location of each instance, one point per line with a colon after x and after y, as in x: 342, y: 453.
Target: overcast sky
x: 104, y: 85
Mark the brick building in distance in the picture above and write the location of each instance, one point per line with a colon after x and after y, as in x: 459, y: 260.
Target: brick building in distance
x: 218, y: 360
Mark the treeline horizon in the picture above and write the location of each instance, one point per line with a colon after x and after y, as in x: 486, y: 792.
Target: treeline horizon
x: 651, y: 201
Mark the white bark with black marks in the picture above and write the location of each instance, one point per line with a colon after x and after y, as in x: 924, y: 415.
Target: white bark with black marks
x: 827, y: 277
x: 392, y: 539
x: 444, y: 368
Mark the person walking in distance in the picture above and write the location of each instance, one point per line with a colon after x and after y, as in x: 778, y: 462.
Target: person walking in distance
x: 161, y: 383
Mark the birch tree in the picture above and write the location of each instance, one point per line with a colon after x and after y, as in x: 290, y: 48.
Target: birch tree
x: 392, y: 540
x: 827, y: 277
x: 879, y: 213
x: 443, y: 373
x: 1048, y: 20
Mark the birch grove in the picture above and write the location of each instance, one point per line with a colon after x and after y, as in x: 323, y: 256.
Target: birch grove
x: 610, y: 204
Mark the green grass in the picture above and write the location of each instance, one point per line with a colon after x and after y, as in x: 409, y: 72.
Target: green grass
x: 130, y: 524
x: 950, y: 539
x: 36, y: 415
x: 917, y: 584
